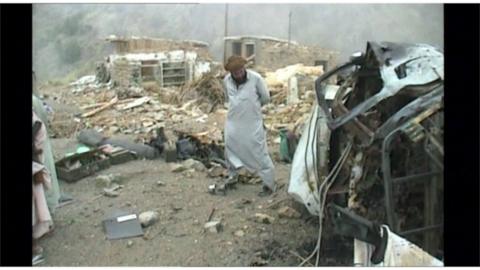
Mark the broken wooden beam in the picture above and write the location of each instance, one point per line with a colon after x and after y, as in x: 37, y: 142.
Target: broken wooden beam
x: 136, y: 103
x: 103, y: 103
x: 211, y: 214
x: 103, y: 107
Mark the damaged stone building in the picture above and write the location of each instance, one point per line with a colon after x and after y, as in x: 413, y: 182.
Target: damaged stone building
x: 168, y: 62
x: 273, y: 53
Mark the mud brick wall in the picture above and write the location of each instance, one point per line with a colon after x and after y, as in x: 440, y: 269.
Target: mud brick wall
x: 275, y: 55
x: 159, y: 45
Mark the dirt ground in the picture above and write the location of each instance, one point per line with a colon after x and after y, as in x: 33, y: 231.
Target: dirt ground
x: 178, y: 238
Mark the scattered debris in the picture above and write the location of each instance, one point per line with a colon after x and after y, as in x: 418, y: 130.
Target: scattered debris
x: 288, y: 212
x: 194, y: 164
x: 135, y: 103
x: 160, y: 183
x: 217, y: 171
x: 176, y: 208
x: 112, y: 192
x: 106, y: 180
x: 211, y: 214
x: 239, y: 233
x: 213, y: 226
x: 176, y: 168
x: 129, y: 243
x: 263, y: 218
x: 241, y: 203
x: 274, y: 205
x: 258, y: 261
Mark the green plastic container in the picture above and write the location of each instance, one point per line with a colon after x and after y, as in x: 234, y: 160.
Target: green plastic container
x: 284, y: 156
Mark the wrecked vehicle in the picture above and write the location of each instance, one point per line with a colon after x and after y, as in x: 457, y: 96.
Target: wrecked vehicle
x: 374, y: 142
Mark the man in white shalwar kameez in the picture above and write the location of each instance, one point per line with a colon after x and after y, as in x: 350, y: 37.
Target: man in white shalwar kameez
x: 245, y: 136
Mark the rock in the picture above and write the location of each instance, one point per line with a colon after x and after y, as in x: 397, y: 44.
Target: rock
x: 213, y: 226
x: 258, y: 261
x: 160, y: 183
x: 159, y: 116
x: 264, y: 235
x: 239, y: 233
x: 216, y: 171
x: 263, y: 218
x: 241, y: 204
x: 147, y: 124
x: 194, y: 164
x: 189, y: 173
x: 110, y: 192
x: 107, y: 180
x: 114, y: 129
x: 178, y: 168
x: 129, y: 243
x: 148, y: 218
x: 288, y: 212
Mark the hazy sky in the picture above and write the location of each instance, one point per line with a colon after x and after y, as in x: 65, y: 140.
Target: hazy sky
x: 341, y: 27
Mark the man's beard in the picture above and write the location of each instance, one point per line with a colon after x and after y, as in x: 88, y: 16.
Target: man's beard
x: 241, y: 80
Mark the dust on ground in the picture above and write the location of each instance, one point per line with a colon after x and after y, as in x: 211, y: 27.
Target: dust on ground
x: 178, y: 238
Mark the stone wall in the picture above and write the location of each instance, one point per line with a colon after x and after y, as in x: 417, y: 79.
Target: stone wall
x: 125, y: 75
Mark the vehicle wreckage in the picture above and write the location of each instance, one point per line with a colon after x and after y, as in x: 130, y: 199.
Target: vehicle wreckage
x: 374, y: 143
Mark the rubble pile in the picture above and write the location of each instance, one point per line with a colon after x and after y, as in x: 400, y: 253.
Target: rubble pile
x: 279, y: 78
x: 195, y: 108
x: 207, y: 91
x: 278, y: 81
x: 291, y: 117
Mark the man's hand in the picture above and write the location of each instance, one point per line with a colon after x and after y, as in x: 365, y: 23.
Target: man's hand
x: 38, y: 178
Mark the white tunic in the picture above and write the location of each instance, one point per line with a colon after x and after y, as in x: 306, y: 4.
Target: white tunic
x: 245, y: 136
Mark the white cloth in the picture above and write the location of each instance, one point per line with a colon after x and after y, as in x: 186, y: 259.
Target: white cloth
x: 245, y: 136
x: 399, y: 252
x: 302, y: 188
